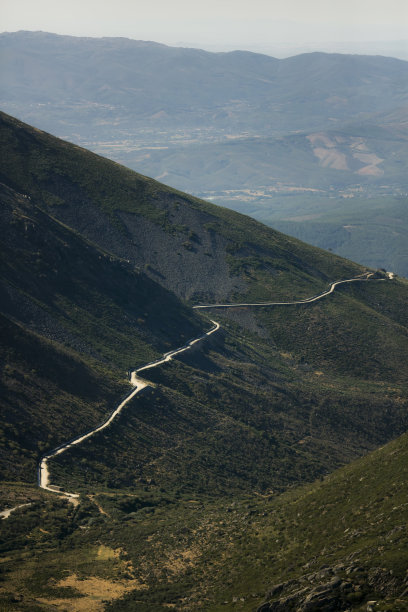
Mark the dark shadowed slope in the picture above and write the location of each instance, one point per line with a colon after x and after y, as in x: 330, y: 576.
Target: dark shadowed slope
x: 73, y: 319
x: 333, y: 355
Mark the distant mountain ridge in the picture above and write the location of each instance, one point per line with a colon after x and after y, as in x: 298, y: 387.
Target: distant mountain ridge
x: 129, y: 82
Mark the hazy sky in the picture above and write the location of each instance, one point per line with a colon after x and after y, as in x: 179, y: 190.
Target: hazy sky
x: 218, y: 23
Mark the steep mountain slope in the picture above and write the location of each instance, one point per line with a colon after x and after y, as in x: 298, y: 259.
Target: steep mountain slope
x: 278, y: 397
x: 191, y: 247
x: 333, y: 545
x: 205, y: 252
x: 73, y: 320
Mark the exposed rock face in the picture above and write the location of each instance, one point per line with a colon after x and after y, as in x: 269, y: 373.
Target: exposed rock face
x: 330, y: 590
x: 183, y: 256
x: 327, y: 597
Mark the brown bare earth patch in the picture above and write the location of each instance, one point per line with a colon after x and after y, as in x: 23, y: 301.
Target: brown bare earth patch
x: 371, y: 159
x: 370, y: 171
x: 326, y: 149
x: 72, y: 605
x: 331, y: 158
x: 105, y: 553
x: 96, y: 592
x: 372, y: 162
x: 322, y: 139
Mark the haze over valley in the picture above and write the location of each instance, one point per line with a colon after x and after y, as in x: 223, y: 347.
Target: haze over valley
x: 286, y: 141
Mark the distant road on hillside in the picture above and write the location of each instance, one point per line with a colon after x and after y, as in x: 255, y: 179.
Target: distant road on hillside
x: 306, y: 301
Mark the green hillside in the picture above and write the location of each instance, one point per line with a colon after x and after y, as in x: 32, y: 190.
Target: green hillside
x: 333, y: 545
x: 299, y: 370
x: 339, y: 542
x: 99, y: 269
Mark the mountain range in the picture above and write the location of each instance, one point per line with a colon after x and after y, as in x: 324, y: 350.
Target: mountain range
x: 132, y: 83
x: 216, y: 487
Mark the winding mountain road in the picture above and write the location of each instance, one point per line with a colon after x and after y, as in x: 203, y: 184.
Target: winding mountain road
x: 139, y: 384
x: 363, y: 277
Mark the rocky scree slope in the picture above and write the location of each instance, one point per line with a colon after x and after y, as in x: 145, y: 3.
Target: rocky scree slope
x: 198, y: 250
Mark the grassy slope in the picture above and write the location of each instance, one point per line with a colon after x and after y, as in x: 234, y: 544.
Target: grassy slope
x: 246, y: 416
x: 224, y: 554
x: 353, y: 525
